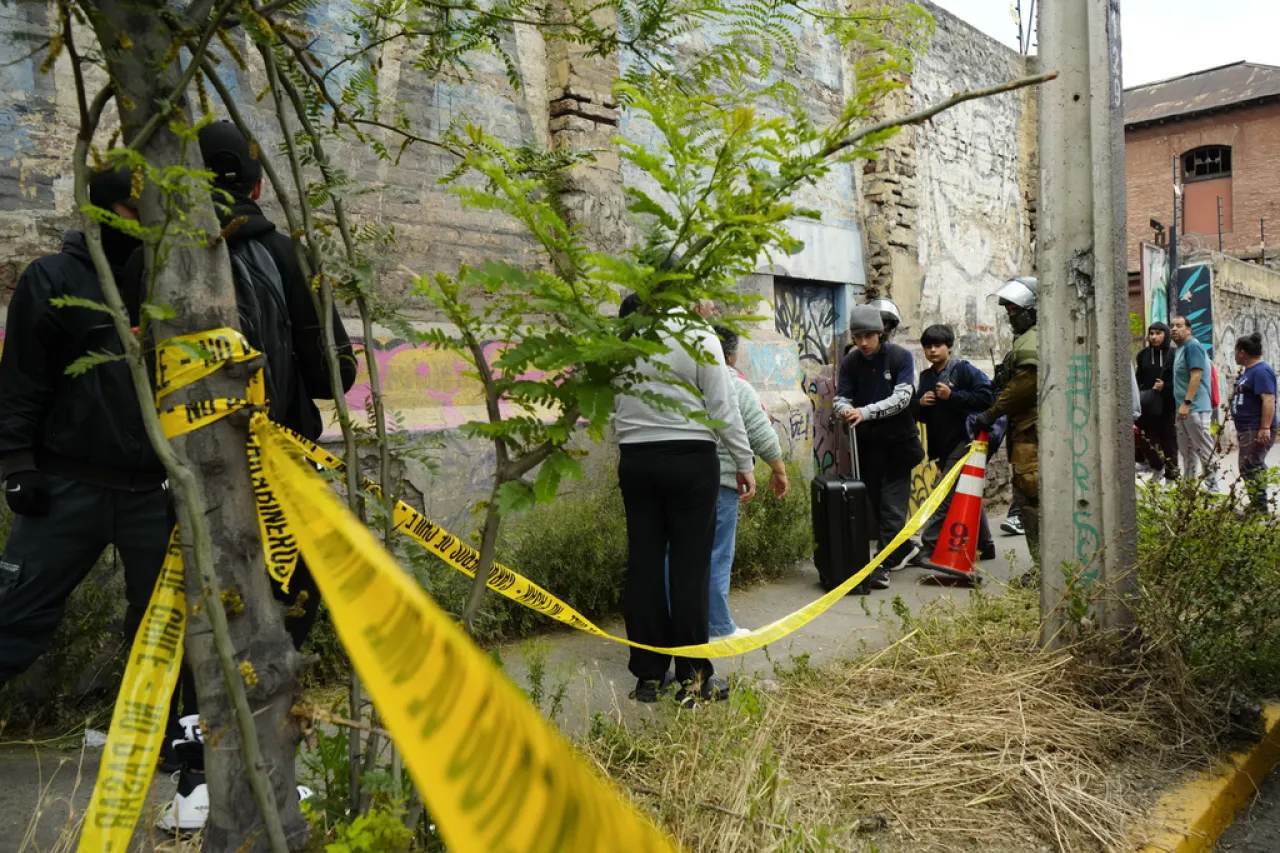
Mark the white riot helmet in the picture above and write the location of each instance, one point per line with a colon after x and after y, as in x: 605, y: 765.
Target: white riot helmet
x: 1020, y: 294
x: 889, y: 313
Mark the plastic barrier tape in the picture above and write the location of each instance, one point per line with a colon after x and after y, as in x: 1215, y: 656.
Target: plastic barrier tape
x: 494, y: 774
x: 140, y: 716
x: 188, y: 358
x: 502, y: 580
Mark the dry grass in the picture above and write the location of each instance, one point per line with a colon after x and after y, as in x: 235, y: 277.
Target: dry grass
x: 959, y: 736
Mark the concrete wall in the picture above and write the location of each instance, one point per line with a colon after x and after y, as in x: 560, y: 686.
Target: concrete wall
x: 1246, y: 299
x: 951, y: 204
x: 1254, y: 136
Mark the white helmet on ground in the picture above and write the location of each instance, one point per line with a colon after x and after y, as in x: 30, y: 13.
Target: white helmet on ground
x: 1020, y: 291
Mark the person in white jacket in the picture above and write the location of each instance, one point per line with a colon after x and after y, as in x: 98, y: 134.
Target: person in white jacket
x: 669, y: 474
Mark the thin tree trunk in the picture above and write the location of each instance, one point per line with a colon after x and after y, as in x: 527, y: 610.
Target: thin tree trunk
x: 217, y: 496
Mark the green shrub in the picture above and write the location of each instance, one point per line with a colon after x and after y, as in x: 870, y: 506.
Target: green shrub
x: 576, y: 548
x: 1209, y: 577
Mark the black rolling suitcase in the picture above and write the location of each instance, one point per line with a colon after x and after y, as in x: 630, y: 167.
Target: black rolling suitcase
x: 841, y: 525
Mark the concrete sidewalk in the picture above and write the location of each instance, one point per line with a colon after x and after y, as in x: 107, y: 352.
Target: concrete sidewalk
x: 57, y: 784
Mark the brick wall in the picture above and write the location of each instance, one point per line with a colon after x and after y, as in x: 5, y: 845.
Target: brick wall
x: 1254, y: 136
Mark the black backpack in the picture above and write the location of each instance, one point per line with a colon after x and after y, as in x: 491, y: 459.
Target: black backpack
x: 264, y: 320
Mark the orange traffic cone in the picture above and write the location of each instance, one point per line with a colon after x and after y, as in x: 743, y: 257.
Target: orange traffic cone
x: 956, y: 553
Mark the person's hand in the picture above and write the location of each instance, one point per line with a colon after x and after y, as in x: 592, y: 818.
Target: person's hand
x: 1159, y: 386
x: 943, y: 391
x: 746, y: 487
x: 1264, y: 437
x: 928, y: 399
x: 853, y: 417
x: 1184, y: 411
x: 778, y: 480
x: 27, y: 493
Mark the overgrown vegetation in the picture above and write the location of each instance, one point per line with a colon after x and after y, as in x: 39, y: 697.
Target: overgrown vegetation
x: 1210, y: 589
x: 961, y: 734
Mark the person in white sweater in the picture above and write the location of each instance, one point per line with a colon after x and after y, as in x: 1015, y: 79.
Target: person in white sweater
x: 764, y: 443
x: 669, y: 474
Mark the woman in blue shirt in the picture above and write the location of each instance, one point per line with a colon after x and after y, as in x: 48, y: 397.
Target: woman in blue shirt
x: 1253, y: 408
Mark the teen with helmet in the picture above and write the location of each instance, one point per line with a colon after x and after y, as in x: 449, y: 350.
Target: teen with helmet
x: 877, y: 382
x: 1017, y: 398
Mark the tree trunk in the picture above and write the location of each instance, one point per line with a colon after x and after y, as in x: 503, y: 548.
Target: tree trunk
x: 197, y: 284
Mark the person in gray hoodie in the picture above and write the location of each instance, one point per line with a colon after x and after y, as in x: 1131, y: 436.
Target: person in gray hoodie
x: 764, y: 443
x: 669, y: 474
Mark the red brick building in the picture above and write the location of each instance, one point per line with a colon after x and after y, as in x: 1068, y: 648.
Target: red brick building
x: 1218, y: 131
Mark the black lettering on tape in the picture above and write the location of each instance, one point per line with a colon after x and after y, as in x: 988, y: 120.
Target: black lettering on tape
x: 560, y: 822
x: 441, y: 698
x: 163, y: 630
x: 142, y: 718
x: 480, y: 754
x: 402, y: 648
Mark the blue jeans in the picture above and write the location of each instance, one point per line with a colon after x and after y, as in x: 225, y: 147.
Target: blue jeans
x: 720, y: 621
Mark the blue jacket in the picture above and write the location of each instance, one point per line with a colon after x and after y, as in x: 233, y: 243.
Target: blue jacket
x: 971, y: 393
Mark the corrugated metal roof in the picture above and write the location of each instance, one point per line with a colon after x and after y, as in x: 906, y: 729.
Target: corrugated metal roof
x: 1211, y: 89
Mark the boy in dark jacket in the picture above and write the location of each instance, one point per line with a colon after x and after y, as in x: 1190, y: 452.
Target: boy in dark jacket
x: 874, y: 397
x: 951, y: 389
x: 1157, y: 441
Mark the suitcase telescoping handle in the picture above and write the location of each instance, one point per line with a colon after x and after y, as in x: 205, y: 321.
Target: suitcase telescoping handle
x: 853, y: 452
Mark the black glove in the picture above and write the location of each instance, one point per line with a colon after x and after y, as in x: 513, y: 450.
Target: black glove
x: 978, y: 423
x: 27, y: 493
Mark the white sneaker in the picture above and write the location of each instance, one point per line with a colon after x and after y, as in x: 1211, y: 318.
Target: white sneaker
x: 741, y: 632
x: 190, y: 807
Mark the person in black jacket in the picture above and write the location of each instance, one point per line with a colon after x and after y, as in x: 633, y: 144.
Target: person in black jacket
x: 873, y: 396
x: 951, y: 389
x: 237, y: 187
x: 1157, y: 440
x: 79, y: 471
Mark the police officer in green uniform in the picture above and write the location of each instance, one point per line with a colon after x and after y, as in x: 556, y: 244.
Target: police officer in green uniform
x: 1017, y: 399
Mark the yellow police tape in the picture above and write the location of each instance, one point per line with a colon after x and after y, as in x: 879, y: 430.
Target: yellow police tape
x: 502, y: 580
x: 495, y: 775
x: 140, y: 716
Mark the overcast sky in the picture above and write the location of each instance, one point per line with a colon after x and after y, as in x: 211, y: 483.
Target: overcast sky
x: 1161, y: 38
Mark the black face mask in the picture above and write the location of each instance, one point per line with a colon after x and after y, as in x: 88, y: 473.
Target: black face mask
x: 1022, y: 320
x: 118, y: 246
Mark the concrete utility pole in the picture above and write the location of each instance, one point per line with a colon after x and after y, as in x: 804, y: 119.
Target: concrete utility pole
x: 1087, y: 493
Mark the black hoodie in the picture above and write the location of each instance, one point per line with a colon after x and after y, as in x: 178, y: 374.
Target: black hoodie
x: 1157, y: 363
x: 87, y: 427
x: 308, y: 339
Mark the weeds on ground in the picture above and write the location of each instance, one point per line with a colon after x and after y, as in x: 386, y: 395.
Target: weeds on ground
x: 960, y: 732
x: 1209, y: 578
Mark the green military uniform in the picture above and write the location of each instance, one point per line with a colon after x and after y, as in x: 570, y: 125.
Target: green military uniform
x: 1018, y: 400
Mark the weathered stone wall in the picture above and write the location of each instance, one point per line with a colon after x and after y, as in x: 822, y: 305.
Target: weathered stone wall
x: 1246, y: 299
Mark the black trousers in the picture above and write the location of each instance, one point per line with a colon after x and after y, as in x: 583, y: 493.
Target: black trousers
x: 669, y: 490
x: 45, y: 559
x: 1157, y: 443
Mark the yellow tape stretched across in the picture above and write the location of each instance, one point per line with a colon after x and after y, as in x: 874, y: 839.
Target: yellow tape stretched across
x: 495, y: 775
x: 502, y: 580
x: 140, y: 716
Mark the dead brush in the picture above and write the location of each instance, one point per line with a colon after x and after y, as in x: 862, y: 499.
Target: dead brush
x: 960, y: 735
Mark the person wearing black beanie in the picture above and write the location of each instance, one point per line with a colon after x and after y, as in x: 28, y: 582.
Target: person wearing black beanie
x: 79, y: 471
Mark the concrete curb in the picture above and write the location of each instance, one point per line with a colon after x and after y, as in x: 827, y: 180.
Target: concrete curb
x: 1193, y: 816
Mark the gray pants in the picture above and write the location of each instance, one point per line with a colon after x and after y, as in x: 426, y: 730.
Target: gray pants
x: 933, y: 528
x: 46, y: 558
x: 1195, y: 448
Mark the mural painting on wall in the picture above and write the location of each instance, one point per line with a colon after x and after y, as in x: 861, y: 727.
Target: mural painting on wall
x: 430, y: 389
x: 1155, y: 284
x: 1237, y: 316
x: 1195, y: 301
x: 806, y: 314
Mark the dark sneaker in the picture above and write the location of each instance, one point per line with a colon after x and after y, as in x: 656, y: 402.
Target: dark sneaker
x: 649, y: 691
x: 710, y: 690
x: 919, y: 559
x: 1013, y: 526
x: 879, y: 578
x: 987, y: 553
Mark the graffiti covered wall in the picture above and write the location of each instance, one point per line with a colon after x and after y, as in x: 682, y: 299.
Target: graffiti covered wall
x: 1155, y: 284
x: 1246, y: 299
